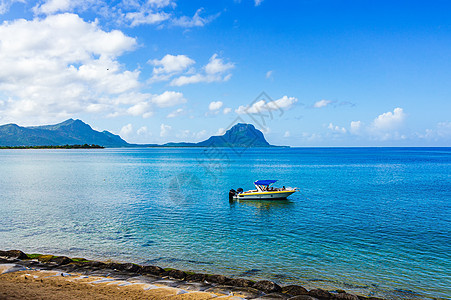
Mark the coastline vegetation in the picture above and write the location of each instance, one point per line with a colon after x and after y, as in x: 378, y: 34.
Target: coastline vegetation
x: 84, y: 146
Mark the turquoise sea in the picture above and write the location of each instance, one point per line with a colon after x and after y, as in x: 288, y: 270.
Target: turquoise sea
x: 375, y: 221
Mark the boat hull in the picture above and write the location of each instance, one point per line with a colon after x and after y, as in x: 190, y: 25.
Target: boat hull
x: 264, y: 195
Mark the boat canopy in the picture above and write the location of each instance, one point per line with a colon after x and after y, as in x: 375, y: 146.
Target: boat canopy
x: 264, y: 182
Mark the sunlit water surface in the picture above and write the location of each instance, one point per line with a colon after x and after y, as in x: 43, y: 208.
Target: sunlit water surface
x: 375, y: 221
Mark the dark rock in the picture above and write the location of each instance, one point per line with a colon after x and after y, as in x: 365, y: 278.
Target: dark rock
x: 176, y: 274
x: 320, y: 294
x: 154, y: 270
x: 129, y: 267
x: 17, y: 254
x: 95, y: 264
x: 267, y: 286
x: 294, y: 290
x: 241, y: 282
x: 196, y: 277
x: 4, y: 260
x: 303, y: 297
x: 221, y: 279
x: 60, y: 260
x: 344, y: 296
x: 273, y: 296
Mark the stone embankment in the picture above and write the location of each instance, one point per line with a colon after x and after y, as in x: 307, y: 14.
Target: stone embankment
x: 154, y: 277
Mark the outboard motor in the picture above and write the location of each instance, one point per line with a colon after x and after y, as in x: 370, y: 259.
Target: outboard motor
x: 232, y: 193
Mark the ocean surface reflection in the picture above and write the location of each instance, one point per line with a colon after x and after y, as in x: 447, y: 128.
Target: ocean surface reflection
x: 370, y: 220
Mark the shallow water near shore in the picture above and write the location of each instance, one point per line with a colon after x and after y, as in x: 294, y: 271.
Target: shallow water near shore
x: 374, y: 221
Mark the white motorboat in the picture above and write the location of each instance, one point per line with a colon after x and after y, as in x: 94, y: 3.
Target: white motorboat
x: 263, y: 191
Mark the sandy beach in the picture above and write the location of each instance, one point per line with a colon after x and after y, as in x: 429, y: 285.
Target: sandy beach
x: 57, y: 285
x: 37, y: 276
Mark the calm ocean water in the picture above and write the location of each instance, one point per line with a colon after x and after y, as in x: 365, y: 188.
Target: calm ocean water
x: 376, y: 221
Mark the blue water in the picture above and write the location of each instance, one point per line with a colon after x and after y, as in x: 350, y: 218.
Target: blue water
x: 375, y: 221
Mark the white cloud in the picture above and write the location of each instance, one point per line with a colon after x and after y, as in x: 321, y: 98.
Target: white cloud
x: 171, y: 64
x: 355, y: 127
x: 126, y: 131
x: 389, y: 120
x: 161, y: 3
x: 6, y: 4
x: 146, y: 17
x: 321, y: 103
x: 143, y: 131
x: 141, y: 109
x: 64, y: 66
x: 258, y: 2
x: 168, y: 99
x: 216, y: 70
x: 441, y: 133
x: 195, y: 21
x: 164, y: 130
x: 176, y: 113
x: 287, y: 134
x: 124, y: 12
x: 269, y: 74
x: 216, y: 65
x: 336, y: 128
x: 227, y: 110
x: 215, y: 105
x: 261, y: 106
x: 220, y: 131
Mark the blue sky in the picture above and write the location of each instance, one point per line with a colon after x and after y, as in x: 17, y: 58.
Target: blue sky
x: 307, y: 73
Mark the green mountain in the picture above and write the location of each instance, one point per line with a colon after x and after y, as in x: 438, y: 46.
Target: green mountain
x: 240, y: 135
x: 70, y: 132
x: 76, y: 132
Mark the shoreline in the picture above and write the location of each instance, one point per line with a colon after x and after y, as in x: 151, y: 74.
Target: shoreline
x: 18, y: 264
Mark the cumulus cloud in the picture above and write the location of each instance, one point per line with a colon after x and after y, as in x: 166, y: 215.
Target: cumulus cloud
x: 336, y: 129
x: 215, y: 105
x: 216, y: 70
x: 257, y: 2
x: 143, y: 131
x: 168, y: 99
x: 63, y: 65
x: 54, y: 67
x: 262, y: 106
x: 321, y: 103
x: 164, y: 130
x: 126, y: 131
x: 287, y: 134
x: 169, y: 66
x: 355, y: 127
x: 227, y: 110
x: 172, y: 64
x: 441, y: 133
x: 389, y: 120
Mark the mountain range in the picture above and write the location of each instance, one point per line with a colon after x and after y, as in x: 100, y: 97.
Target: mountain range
x: 76, y: 132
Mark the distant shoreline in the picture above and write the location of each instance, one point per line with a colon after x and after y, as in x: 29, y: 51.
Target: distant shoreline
x: 85, y: 146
